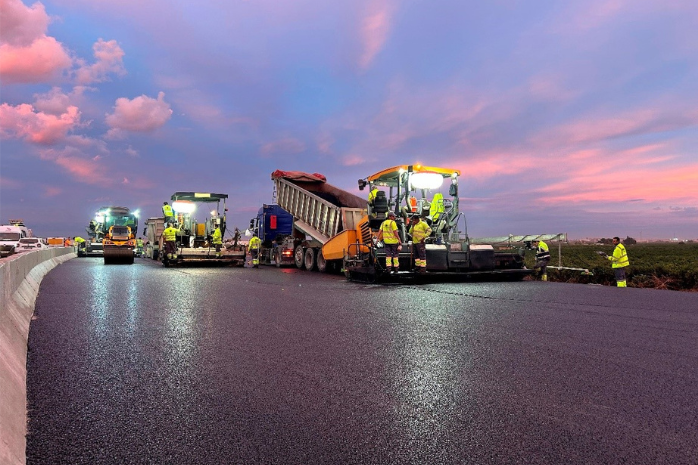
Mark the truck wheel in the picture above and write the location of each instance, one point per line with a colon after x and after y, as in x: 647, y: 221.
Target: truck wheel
x: 298, y: 257
x: 310, y: 259
x: 321, y: 262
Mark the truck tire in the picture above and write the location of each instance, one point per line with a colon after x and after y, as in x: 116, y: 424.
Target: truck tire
x: 321, y: 262
x: 310, y: 259
x: 298, y: 257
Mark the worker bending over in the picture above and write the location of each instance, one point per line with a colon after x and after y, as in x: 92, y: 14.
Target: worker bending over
x: 542, y: 258
x: 253, y: 247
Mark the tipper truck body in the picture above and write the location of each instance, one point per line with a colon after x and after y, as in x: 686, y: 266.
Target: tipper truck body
x: 321, y: 212
x: 153, y: 230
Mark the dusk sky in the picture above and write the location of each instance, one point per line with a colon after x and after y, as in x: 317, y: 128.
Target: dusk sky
x: 563, y: 116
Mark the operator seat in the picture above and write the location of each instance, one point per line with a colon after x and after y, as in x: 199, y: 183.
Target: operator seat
x: 379, y: 210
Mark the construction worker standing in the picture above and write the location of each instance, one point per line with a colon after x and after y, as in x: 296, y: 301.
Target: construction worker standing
x: 619, y: 262
x: 253, y: 247
x: 170, y: 236
x: 167, y: 212
x: 542, y: 258
x: 419, y: 230
x: 389, y: 235
x: 217, y: 240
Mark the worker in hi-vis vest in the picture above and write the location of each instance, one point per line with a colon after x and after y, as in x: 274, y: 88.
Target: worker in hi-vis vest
x: 619, y: 262
x: 542, y: 258
x: 391, y: 240
x: 253, y: 248
x: 419, y: 230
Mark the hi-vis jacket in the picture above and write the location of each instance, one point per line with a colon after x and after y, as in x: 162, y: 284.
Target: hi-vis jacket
x: 389, y: 229
x: 255, y: 242
x: 170, y: 234
x: 619, y: 259
x: 216, y: 237
x: 542, y: 252
x: 419, y: 232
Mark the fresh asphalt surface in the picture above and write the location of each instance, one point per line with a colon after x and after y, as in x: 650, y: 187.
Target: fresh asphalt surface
x: 150, y: 365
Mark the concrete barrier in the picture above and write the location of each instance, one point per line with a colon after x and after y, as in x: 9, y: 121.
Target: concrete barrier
x: 20, y: 277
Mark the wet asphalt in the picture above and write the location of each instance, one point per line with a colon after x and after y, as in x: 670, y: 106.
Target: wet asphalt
x: 141, y: 364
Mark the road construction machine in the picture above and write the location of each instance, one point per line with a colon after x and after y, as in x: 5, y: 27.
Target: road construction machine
x: 99, y: 229
x: 116, y: 234
x: 193, y: 242
x: 431, y: 193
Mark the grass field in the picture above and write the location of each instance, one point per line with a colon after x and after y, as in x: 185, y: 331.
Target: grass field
x: 653, y: 265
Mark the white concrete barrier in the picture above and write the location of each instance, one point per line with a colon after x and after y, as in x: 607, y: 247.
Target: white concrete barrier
x: 20, y: 277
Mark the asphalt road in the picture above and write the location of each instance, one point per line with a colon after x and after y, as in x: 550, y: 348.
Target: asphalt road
x: 142, y: 364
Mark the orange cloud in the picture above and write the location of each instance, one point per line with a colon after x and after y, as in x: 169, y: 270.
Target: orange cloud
x: 142, y: 114
x: 22, y: 121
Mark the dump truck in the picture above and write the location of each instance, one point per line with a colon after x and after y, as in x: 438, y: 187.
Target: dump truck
x: 321, y: 212
x: 193, y: 240
x: 274, y: 227
x: 432, y: 193
x: 153, y: 230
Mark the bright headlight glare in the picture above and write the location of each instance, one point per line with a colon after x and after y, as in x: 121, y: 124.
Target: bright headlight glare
x: 426, y: 180
x: 183, y: 206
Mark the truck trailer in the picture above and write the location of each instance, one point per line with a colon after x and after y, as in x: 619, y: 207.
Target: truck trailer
x: 274, y: 227
x: 153, y: 230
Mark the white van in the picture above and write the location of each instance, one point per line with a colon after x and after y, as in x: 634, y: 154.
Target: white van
x: 10, y: 235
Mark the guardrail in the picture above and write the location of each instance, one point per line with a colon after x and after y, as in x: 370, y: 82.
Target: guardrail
x: 20, y: 277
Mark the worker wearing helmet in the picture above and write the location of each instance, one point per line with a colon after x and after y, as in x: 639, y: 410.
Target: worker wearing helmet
x: 217, y: 240
x: 419, y: 230
x: 167, y: 212
x: 389, y: 235
x: 253, y: 247
x: 542, y: 258
x: 169, y: 237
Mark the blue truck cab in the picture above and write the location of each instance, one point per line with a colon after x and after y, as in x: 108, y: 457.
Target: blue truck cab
x: 274, y: 226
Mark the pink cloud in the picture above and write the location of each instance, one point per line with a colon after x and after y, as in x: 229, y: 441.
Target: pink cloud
x: 109, y: 59
x: 142, y: 114
x: 83, y: 169
x: 22, y: 121
x: 352, y: 160
x: 51, y: 191
x: 374, y: 30
x: 21, y: 25
x: 8, y: 183
x: 286, y: 145
x: 43, y: 60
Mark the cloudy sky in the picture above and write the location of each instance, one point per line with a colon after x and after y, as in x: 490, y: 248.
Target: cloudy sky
x: 563, y: 116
